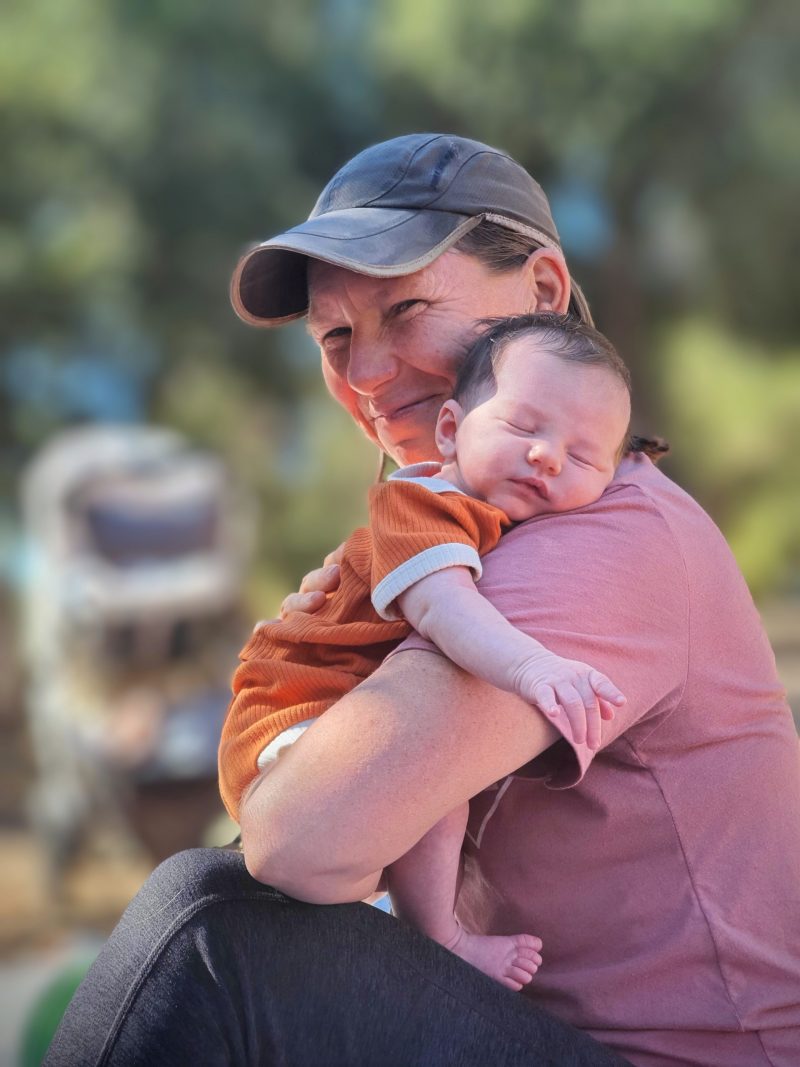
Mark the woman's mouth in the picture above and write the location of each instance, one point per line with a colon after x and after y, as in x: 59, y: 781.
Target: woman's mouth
x: 397, y: 412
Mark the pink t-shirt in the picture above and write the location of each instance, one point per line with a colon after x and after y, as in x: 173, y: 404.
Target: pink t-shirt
x: 662, y: 873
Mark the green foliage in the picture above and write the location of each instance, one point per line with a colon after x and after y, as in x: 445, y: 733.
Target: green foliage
x: 734, y: 420
x: 148, y: 142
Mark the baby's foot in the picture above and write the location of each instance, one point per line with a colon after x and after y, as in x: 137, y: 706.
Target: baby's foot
x: 512, y: 959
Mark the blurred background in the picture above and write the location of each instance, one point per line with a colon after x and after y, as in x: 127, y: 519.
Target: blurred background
x: 161, y: 472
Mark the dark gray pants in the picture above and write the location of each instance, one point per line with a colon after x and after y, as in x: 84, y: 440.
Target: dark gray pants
x: 208, y: 967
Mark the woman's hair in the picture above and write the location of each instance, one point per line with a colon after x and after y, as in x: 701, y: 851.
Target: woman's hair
x: 501, y: 249
x: 497, y: 247
x: 563, y: 336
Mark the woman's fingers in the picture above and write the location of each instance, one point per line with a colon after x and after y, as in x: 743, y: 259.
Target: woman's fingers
x: 334, y: 557
x: 322, y: 580
x: 308, y: 602
x: 313, y: 589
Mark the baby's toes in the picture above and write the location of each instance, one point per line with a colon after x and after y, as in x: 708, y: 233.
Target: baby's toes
x: 520, y: 975
x: 528, y: 959
x: 527, y: 954
x: 529, y: 962
x: 527, y: 941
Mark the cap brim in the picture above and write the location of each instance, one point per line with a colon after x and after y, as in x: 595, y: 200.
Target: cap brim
x: 269, y: 285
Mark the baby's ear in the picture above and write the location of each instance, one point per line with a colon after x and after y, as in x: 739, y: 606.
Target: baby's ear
x: 449, y: 419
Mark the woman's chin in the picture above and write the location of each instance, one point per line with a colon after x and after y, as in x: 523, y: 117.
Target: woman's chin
x: 412, y: 450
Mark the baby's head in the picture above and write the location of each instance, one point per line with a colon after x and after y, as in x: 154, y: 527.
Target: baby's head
x: 539, y: 416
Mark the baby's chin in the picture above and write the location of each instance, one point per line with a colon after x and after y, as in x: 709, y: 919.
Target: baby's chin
x: 519, y: 514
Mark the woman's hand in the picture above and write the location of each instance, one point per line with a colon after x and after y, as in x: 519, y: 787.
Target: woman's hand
x: 314, y: 588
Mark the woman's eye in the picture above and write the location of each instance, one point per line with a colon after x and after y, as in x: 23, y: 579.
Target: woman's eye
x: 335, y: 334
x: 336, y: 349
x: 404, y: 305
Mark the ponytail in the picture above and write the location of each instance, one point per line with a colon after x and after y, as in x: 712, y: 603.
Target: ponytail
x: 654, y: 447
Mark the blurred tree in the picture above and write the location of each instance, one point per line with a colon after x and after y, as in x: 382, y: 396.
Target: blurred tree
x: 151, y: 141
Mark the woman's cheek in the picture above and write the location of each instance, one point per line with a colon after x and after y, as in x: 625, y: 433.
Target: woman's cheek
x: 438, y: 343
x: 337, y: 386
x: 347, y: 398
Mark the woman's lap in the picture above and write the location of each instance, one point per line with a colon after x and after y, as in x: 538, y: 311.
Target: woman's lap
x: 208, y: 966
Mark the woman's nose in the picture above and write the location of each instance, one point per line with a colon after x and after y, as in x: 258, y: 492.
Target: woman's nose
x: 542, y: 454
x: 372, y: 363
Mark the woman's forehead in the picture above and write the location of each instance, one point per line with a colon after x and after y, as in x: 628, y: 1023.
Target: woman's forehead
x: 326, y: 278
x: 450, y: 272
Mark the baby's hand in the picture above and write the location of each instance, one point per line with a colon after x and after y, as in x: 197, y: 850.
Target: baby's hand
x: 573, y: 688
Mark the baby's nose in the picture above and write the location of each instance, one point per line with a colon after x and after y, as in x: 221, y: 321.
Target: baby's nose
x: 542, y: 454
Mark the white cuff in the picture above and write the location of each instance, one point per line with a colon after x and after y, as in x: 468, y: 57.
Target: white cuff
x: 437, y: 558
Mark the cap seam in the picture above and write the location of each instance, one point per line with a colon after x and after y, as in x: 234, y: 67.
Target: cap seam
x: 417, y: 150
x: 427, y: 205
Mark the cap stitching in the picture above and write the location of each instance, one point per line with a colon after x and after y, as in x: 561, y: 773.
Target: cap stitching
x: 415, y: 153
x: 522, y: 227
x: 428, y: 204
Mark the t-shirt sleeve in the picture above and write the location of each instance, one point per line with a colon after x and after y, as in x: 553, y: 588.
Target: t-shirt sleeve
x: 416, y: 532
x: 605, y: 585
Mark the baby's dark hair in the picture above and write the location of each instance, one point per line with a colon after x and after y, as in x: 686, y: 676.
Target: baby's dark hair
x: 563, y: 336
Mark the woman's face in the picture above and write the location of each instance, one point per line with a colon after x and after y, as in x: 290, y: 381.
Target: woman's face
x: 391, y: 347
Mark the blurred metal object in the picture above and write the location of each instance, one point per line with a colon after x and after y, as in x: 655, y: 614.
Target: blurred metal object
x: 133, y: 618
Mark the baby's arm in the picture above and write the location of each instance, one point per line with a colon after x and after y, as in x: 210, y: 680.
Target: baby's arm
x: 447, y: 608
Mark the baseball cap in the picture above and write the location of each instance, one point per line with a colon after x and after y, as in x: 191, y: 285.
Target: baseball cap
x: 392, y: 210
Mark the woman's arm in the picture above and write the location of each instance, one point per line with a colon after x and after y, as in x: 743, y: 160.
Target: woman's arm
x: 447, y: 608
x: 376, y: 771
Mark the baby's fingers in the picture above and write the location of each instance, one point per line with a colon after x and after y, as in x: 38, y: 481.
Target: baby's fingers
x: 591, y: 712
x: 606, y: 689
x: 545, y: 698
x: 607, y: 711
x: 575, y: 709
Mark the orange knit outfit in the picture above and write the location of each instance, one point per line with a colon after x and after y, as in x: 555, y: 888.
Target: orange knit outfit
x: 296, y: 668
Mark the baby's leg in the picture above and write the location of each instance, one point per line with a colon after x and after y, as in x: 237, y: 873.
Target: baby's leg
x: 423, y: 887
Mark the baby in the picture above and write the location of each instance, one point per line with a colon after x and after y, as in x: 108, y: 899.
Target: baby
x: 537, y: 424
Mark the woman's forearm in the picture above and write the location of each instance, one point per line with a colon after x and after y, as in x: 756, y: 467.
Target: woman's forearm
x: 376, y: 771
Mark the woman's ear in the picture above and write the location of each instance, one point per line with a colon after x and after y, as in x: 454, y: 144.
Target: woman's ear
x: 548, y: 279
x: 450, y: 415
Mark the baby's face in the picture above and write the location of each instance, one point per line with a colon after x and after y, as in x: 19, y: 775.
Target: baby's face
x: 546, y: 441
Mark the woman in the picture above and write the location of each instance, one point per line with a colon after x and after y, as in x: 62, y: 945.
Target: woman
x: 661, y: 872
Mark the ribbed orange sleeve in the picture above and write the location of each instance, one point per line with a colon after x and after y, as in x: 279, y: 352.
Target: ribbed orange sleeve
x: 296, y: 668
x: 416, y: 531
